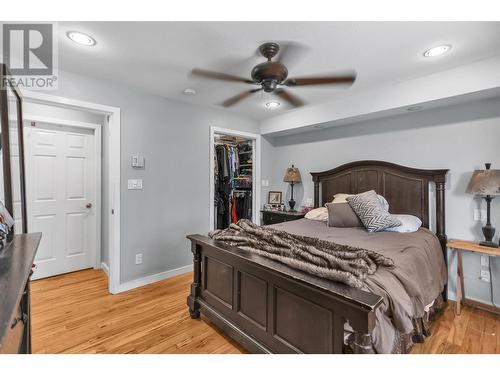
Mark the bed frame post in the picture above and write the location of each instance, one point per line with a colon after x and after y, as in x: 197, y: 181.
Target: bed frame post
x: 192, y: 300
x: 440, y: 222
x: 316, y: 191
x: 362, y: 335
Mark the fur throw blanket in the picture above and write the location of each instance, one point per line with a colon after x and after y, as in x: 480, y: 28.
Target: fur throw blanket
x: 345, y: 264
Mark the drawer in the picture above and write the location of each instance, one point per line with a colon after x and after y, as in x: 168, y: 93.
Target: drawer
x: 271, y: 219
x: 14, y: 337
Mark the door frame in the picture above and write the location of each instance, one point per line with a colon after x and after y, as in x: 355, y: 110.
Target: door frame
x: 97, y: 128
x: 114, y: 122
x: 256, y: 146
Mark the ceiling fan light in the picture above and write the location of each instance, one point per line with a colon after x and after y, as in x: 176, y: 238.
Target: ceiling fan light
x: 273, y: 105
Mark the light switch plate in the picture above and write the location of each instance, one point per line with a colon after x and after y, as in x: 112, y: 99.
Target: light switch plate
x: 134, y: 184
x: 484, y: 215
x: 265, y: 183
x: 477, y: 214
x: 137, y: 161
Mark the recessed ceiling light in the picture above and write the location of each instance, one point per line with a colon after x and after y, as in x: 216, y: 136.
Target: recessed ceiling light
x: 189, y: 92
x: 272, y: 105
x: 437, y: 51
x: 81, y: 38
x: 414, y: 108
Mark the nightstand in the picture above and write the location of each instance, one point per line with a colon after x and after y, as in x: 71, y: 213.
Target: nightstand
x: 275, y: 217
x: 459, y: 246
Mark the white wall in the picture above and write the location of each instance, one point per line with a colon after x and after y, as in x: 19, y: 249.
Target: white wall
x: 460, y: 138
x: 174, y: 139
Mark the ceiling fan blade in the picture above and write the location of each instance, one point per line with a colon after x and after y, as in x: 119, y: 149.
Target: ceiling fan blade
x: 290, y: 52
x: 290, y: 98
x: 347, y: 79
x: 235, y: 99
x: 219, y: 76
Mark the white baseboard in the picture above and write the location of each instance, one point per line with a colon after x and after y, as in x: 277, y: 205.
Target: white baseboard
x: 153, y: 278
x: 105, y: 268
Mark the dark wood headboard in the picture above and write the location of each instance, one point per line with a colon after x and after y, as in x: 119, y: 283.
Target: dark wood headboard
x: 406, y: 189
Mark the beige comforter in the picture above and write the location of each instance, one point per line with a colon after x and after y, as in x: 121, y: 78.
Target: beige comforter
x: 416, y: 280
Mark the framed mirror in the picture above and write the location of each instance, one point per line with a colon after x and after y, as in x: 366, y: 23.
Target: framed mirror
x: 13, y: 192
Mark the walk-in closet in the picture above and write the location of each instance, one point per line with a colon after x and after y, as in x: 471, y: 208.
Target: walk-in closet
x: 233, y: 179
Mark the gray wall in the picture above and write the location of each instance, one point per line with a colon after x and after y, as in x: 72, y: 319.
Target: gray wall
x: 174, y: 139
x: 460, y: 138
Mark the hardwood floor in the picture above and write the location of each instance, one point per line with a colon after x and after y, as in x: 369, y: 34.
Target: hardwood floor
x: 74, y: 313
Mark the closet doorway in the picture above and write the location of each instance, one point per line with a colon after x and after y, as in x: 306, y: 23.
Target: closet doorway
x: 234, y: 177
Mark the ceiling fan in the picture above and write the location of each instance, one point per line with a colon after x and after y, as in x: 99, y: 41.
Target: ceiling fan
x: 271, y: 76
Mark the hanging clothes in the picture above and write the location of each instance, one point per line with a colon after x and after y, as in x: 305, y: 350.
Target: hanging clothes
x: 232, y: 172
x: 234, y: 214
x: 222, y: 186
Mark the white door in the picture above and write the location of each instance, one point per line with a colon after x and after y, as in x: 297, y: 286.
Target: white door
x: 61, y: 196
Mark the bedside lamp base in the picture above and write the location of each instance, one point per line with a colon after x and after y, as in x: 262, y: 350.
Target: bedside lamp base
x: 488, y: 243
x: 488, y: 229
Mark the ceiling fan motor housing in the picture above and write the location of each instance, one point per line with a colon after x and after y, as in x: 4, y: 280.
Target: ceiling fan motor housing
x: 269, y: 74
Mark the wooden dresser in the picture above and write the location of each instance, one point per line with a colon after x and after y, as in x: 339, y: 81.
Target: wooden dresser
x: 16, y: 261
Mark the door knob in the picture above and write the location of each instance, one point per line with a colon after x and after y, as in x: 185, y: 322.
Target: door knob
x: 88, y: 205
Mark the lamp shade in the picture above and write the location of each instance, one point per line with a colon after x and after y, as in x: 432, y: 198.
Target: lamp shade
x: 485, y: 182
x: 292, y: 174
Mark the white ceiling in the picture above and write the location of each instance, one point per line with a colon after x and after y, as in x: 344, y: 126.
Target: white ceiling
x: 157, y: 57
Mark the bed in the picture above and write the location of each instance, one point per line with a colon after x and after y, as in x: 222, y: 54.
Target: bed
x: 269, y: 307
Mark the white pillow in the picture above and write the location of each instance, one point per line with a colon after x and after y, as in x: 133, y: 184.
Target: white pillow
x: 383, y: 202
x: 410, y: 224
x: 319, y: 214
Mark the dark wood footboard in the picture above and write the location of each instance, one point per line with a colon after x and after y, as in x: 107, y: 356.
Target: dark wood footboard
x: 268, y: 307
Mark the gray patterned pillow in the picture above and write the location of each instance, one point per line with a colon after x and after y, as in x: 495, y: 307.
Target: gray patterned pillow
x: 371, y: 212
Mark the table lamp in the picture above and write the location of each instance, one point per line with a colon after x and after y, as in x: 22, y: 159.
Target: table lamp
x: 486, y: 183
x: 292, y: 176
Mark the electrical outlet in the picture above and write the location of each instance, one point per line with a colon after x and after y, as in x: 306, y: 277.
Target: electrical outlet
x: 138, y: 258
x: 485, y: 261
x: 485, y: 276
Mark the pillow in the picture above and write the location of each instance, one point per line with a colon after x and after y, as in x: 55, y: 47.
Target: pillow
x: 320, y: 214
x: 409, y: 224
x: 341, y: 215
x: 371, y: 212
x: 383, y: 202
x: 342, y: 198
